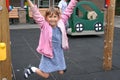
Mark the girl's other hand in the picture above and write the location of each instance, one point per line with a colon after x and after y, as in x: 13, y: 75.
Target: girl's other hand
x: 30, y: 3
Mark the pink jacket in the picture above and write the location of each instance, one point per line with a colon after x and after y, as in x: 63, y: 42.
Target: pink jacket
x: 45, y: 41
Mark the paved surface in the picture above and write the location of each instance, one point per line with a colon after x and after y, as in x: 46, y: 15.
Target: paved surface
x: 117, y: 21
x: 84, y: 59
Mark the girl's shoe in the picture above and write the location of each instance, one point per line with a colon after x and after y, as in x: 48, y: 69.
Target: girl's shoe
x: 27, y: 72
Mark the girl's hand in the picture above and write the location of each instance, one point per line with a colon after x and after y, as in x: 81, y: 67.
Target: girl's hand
x: 30, y: 3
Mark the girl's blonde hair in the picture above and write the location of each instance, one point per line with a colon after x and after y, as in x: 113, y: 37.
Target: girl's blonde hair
x: 52, y: 11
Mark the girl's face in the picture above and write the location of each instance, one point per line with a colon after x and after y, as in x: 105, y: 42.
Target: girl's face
x: 52, y: 19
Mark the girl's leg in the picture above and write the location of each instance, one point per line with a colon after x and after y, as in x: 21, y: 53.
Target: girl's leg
x: 61, y: 72
x: 31, y: 69
x: 41, y: 73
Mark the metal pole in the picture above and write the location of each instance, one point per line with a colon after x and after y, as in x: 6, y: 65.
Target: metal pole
x: 51, y: 3
x: 109, y: 32
x: 38, y: 3
x: 22, y: 3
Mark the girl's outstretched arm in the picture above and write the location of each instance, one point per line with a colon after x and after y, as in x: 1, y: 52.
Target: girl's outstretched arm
x: 39, y: 19
x: 69, y: 10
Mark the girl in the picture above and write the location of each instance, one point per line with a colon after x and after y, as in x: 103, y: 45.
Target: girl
x: 53, y: 40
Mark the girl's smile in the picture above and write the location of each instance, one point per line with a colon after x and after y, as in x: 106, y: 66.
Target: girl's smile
x: 52, y: 19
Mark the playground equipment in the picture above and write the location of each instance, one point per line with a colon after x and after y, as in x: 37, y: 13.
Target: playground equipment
x: 109, y: 32
x: 5, y: 57
x: 5, y: 62
x: 107, y: 3
x: 2, y: 51
x: 7, y: 4
x: 87, y: 19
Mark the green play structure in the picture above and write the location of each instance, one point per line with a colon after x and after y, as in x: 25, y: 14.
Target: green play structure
x: 87, y: 19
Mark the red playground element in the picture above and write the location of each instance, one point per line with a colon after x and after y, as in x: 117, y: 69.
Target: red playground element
x: 7, y: 4
x: 107, y: 3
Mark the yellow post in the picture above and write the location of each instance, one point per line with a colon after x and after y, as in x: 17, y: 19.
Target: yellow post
x: 109, y: 32
x: 5, y: 62
x: 2, y: 51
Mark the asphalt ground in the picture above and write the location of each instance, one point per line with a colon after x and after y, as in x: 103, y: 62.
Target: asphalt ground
x: 84, y: 59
